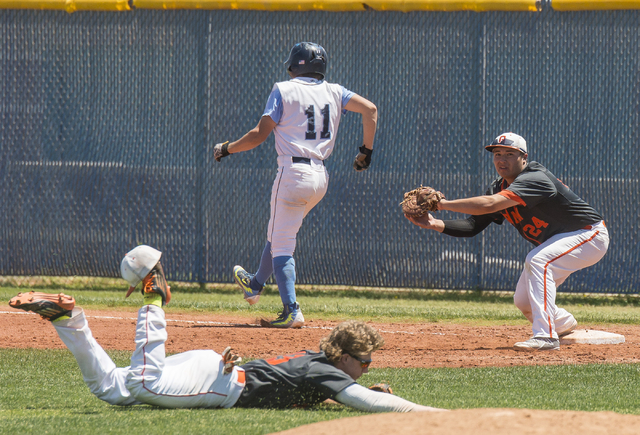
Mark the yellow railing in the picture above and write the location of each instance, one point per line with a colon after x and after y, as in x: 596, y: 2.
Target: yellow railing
x: 344, y: 5
x: 593, y: 5
x: 279, y: 5
x: 67, y: 5
x: 322, y: 5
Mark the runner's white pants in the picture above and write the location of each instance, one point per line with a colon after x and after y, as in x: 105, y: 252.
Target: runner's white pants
x: 298, y: 188
x: 549, y: 265
x: 191, y: 379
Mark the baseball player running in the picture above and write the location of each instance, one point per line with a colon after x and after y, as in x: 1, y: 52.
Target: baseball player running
x: 304, y: 114
x: 203, y: 378
x: 568, y: 234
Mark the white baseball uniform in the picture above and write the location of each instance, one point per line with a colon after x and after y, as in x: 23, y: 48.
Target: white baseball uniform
x: 191, y: 379
x: 307, y: 113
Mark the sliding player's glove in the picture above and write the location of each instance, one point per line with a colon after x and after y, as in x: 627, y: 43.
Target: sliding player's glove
x: 382, y: 387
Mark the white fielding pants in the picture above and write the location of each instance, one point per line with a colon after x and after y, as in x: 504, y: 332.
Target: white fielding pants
x: 549, y: 265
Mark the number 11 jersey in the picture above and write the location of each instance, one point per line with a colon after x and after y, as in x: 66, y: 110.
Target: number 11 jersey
x: 307, y: 113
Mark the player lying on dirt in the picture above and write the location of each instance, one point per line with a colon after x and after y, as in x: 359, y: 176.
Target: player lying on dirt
x: 568, y: 234
x: 204, y: 378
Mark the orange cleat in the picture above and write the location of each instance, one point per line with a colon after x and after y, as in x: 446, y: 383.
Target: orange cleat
x: 49, y: 306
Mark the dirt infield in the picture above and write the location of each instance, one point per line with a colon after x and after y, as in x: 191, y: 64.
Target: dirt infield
x: 407, y: 345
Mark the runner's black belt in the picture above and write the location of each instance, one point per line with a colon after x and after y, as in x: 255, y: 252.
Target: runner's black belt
x: 302, y: 160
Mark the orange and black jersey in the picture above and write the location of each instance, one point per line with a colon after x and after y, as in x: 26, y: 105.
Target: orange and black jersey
x: 302, y: 379
x: 546, y: 207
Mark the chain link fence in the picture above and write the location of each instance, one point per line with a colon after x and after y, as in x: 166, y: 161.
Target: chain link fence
x: 108, y: 120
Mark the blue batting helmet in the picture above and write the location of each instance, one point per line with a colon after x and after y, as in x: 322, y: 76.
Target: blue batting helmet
x: 307, y: 57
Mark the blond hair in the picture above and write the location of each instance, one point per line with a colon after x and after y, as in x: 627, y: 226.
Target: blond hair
x: 351, y: 337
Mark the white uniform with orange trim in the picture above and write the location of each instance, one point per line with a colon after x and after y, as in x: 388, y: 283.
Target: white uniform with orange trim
x: 548, y: 266
x: 196, y: 379
x: 193, y: 379
x: 568, y: 233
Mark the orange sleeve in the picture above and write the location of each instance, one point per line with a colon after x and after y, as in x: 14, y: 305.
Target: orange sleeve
x: 512, y: 196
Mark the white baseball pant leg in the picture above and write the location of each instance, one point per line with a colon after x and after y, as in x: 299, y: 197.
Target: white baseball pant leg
x: 99, y: 372
x: 193, y: 379
x: 298, y: 188
x: 549, y: 265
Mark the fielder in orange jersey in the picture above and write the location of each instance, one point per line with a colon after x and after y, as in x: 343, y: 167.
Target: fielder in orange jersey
x: 568, y: 234
x: 204, y: 378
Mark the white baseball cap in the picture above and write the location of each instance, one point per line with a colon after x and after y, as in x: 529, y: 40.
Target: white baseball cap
x: 137, y: 264
x: 509, y: 140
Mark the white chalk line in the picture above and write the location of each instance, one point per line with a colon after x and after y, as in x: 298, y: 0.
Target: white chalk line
x: 210, y: 322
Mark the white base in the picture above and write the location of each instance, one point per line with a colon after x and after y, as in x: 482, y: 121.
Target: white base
x: 586, y: 336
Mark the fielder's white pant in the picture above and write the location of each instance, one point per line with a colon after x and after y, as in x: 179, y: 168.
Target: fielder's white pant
x: 191, y: 379
x: 549, y: 265
x: 298, y: 187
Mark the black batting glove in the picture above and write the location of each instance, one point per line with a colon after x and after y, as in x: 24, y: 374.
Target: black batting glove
x: 363, y: 159
x: 221, y: 150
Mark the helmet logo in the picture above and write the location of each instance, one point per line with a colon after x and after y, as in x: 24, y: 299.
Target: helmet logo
x: 501, y: 139
x: 302, y: 62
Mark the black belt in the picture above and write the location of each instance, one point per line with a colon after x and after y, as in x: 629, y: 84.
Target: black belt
x: 302, y: 160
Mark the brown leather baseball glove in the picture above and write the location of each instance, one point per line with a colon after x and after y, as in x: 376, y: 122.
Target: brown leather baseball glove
x: 418, y: 202
x: 230, y: 359
x: 383, y: 387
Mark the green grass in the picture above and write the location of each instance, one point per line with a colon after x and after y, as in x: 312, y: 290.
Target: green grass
x: 42, y: 391
x: 383, y: 306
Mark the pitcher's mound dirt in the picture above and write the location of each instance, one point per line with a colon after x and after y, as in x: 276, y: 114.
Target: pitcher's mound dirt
x: 479, y: 422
